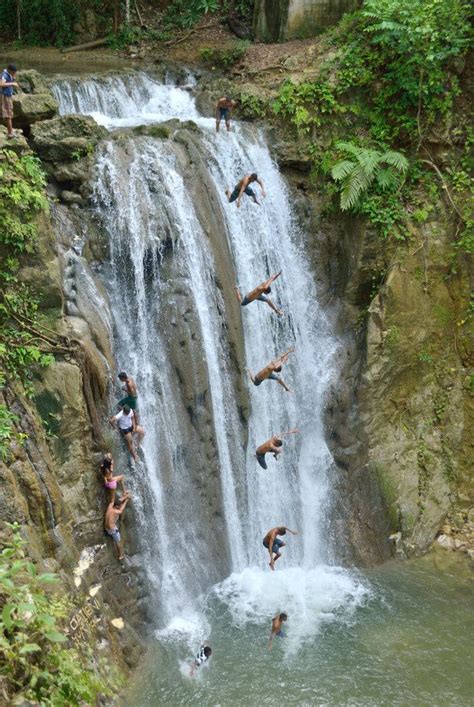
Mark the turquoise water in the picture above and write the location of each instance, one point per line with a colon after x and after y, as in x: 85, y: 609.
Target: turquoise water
x: 405, y: 639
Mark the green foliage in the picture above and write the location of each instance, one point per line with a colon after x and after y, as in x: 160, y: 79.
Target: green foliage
x: 22, y: 197
x: 126, y: 35
x: 7, y: 432
x: 366, y: 167
x: 42, y: 22
x: 307, y: 104
x: 223, y: 58
x: 406, y: 49
x: 251, y: 106
x: 183, y: 14
x: 38, y: 662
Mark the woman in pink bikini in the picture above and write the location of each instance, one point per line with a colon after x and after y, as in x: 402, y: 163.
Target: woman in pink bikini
x: 110, y: 481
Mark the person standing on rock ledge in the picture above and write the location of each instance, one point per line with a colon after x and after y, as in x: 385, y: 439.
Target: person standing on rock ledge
x: 259, y: 294
x: 114, y: 510
x: 243, y: 187
x: 126, y: 423
x: 273, y: 446
x: 224, y: 107
x: 268, y: 373
x: 7, y: 84
x: 130, y: 388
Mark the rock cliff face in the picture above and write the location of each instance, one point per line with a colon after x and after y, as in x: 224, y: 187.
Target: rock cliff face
x: 400, y: 414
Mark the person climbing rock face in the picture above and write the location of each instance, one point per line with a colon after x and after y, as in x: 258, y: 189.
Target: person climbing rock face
x: 130, y: 387
x: 7, y: 84
x: 126, y: 423
x: 243, y: 187
x: 270, y: 371
x: 259, y: 294
x: 112, y: 514
x: 202, y: 657
x: 274, y: 544
x: 224, y: 107
x: 273, y: 446
x: 277, y: 624
x: 111, y: 481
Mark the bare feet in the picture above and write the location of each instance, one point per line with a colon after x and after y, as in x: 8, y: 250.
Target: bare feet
x: 227, y: 193
x: 272, y: 565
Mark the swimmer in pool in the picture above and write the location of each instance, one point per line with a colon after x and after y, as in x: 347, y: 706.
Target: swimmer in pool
x: 202, y: 657
x: 277, y: 623
x: 270, y: 371
x: 273, y: 446
x: 259, y: 294
x: 243, y: 187
x: 274, y: 544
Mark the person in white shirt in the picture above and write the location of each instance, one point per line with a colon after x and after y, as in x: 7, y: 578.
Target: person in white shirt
x: 201, y: 658
x: 126, y: 424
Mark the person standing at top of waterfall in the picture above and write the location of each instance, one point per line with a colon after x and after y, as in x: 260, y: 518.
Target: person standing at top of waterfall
x: 243, y: 187
x: 259, y: 294
x: 270, y: 370
x: 224, y: 108
x: 277, y: 628
x: 272, y: 446
x: 7, y: 84
x: 274, y: 544
x: 126, y: 423
x: 114, y: 510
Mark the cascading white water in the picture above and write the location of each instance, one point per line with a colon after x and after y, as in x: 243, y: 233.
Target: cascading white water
x: 140, y: 197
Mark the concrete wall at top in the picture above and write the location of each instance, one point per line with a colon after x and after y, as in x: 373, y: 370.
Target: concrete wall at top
x: 280, y: 20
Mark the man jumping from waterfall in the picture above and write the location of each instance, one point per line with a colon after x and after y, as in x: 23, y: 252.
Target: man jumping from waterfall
x: 259, y: 294
x: 270, y: 370
x: 272, y: 446
x: 243, y: 187
x: 274, y: 544
x: 126, y: 423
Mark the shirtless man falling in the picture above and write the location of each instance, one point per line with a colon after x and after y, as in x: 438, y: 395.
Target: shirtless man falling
x: 277, y: 626
x: 259, y: 294
x: 272, y: 445
x: 243, y: 187
x: 268, y: 373
x: 274, y: 544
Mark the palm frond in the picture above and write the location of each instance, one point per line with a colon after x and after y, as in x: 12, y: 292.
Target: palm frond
x: 396, y: 159
x: 348, y: 147
x: 354, y: 185
x: 387, y: 178
x: 341, y: 169
x: 368, y: 160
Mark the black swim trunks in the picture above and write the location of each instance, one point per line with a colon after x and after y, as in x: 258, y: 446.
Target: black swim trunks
x: 223, y: 113
x: 277, y: 543
x: 261, y: 461
x: 236, y: 192
x: 246, y: 301
x: 271, y: 377
x: 126, y: 432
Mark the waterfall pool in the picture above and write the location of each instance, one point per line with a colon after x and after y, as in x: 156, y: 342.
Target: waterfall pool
x: 405, y: 641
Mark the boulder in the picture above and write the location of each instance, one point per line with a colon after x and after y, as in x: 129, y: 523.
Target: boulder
x: 31, y: 81
x: 30, y: 108
x: 17, y: 144
x: 66, y: 144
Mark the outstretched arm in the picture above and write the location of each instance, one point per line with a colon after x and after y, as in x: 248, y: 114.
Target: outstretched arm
x: 259, y: 181
x: 293, y: 532
x: 290, y: 432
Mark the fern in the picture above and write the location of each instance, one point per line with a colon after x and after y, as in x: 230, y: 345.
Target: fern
x: 384, y: 169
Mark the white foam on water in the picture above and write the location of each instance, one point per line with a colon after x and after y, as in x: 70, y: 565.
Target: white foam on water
x: 310, y: 597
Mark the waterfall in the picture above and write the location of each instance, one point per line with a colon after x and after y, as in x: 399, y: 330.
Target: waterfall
x: 147, y: 211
